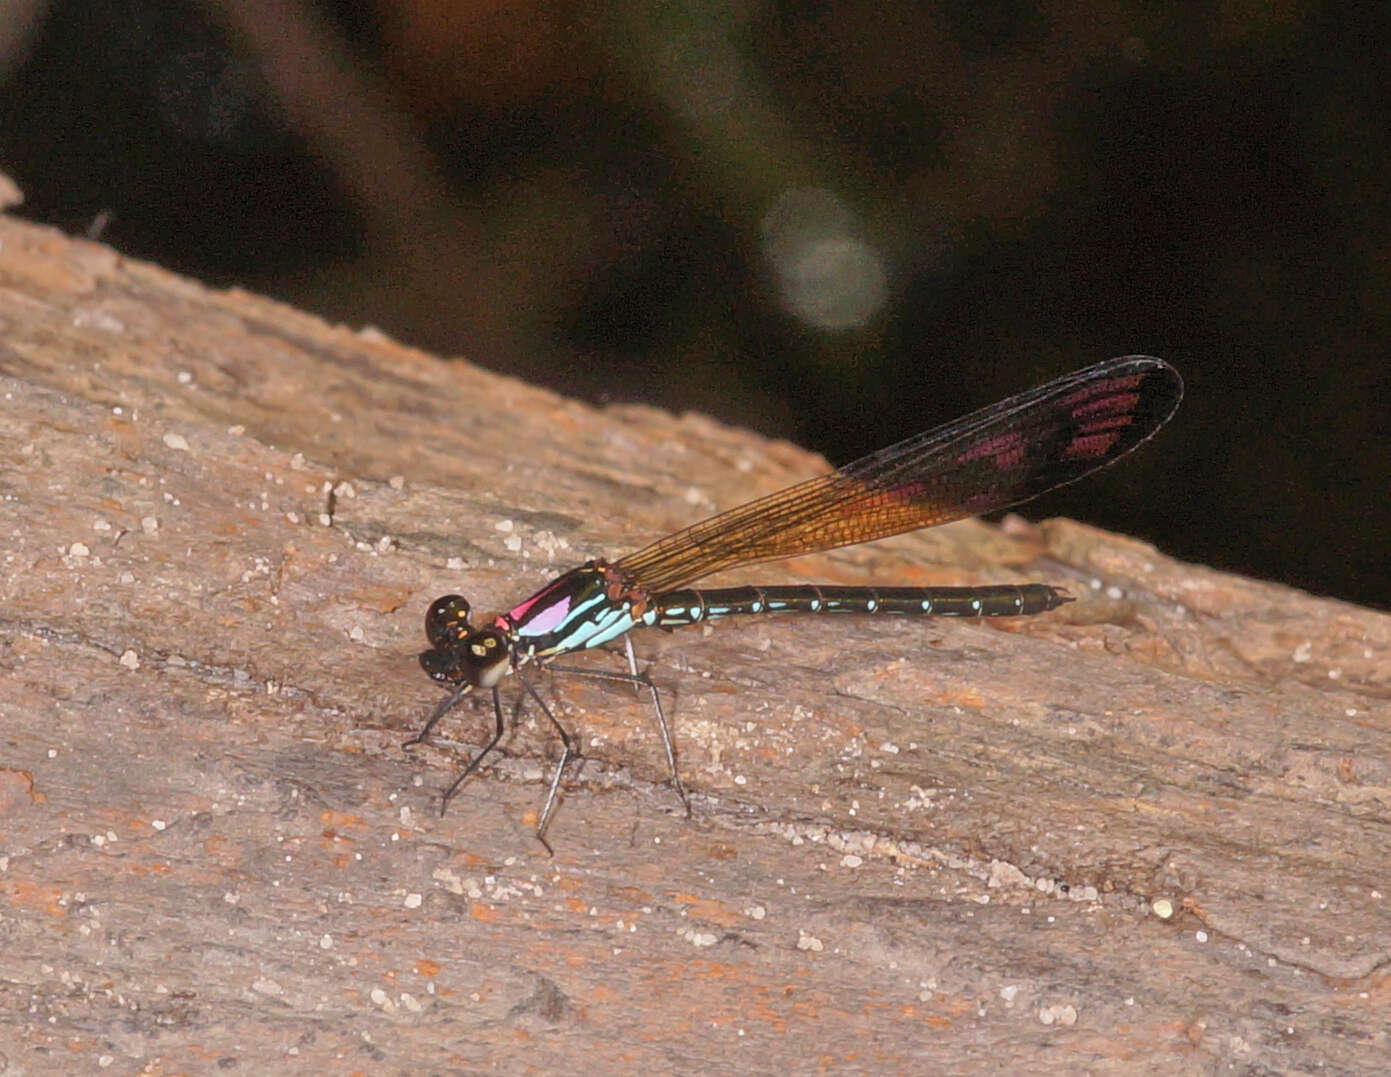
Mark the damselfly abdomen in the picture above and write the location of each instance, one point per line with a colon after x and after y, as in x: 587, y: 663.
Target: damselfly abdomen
x: 994, y: 458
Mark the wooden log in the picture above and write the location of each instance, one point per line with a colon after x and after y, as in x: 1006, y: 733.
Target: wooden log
x: 1146, y: 832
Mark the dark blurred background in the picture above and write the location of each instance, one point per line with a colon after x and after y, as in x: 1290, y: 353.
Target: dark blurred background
x: 837, y: 222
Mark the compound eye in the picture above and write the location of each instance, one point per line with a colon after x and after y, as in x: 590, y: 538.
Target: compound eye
x: 446, y: 621
x: 444, y: 665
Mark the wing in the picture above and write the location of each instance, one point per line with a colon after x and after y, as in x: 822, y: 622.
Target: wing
x: 999, y: 456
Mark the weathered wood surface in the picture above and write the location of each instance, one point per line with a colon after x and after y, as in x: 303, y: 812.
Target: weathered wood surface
x: 917, y: 847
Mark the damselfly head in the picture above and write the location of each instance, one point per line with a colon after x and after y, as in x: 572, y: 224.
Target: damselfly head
x: 446, y: 621
x: 480, y: 658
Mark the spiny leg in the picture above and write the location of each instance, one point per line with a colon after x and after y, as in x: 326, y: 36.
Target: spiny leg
x: 639, y: 681
x: 632, y: 658
x: 607, y: 648
x: 568, y: 754
x: 444, y: 708
x: 477, y: 759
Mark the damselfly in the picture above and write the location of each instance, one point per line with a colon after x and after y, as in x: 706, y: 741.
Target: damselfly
x: 994, y: 458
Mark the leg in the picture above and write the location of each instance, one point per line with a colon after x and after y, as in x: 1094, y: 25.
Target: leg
x: 440, y: 711
x: 568, y: 754
x: 639, y: 681
x: 477, y: 759
x: 608, y: 648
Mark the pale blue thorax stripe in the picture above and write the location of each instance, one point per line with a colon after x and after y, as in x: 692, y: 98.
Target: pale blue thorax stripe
x: 610, y: 626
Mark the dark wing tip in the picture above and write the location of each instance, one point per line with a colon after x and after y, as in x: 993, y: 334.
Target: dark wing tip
x: 1161, y: 388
